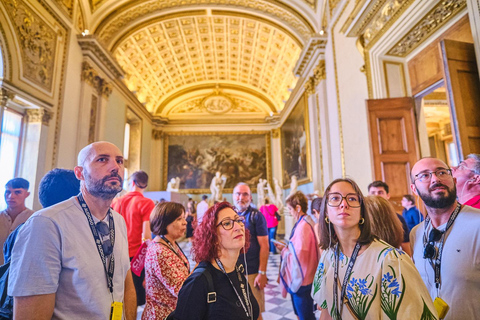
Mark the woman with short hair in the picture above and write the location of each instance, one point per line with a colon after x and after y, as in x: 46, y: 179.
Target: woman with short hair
x: 166, y: 266
x: 359, y: 276
x: 217, y: 288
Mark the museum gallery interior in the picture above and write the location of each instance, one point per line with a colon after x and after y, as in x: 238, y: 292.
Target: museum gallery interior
x: 252, y: 89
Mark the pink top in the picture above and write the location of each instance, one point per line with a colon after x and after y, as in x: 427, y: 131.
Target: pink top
x: 474, y: 202
x: 165, y: 273
x: 268, y: 211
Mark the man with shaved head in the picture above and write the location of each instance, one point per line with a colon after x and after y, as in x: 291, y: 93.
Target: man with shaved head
x: 72, y: 262
x: 446, y: 245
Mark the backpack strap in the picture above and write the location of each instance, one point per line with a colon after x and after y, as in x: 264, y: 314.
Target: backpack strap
x: 211, y: 295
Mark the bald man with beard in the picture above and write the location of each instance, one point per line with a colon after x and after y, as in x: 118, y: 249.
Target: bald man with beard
x: 72, y: 262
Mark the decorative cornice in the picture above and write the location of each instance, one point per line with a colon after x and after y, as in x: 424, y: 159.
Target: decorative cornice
x: 431, y: 22
x: 5, y: 96
x: 273, y: 119
x: 319, y: 74
x: 157, y: 134
x: 90, y: 76
x: 314, y: 43
x: 276, y: 133
x: 159, y: 121
x: 310, y: 86
x: 92, y: 48
x: 39, y: 115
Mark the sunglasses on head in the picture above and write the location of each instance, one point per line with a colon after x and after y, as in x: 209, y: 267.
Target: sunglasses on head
x: 430, y: 251
x: 104, y: 232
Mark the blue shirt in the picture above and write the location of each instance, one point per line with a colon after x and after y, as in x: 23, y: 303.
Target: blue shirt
x: 257, y: 226
x: 412, y: 216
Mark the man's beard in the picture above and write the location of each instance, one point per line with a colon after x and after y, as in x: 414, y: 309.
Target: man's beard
x: 441, y: 201
x: 241, y: 206
x: 100, y: 188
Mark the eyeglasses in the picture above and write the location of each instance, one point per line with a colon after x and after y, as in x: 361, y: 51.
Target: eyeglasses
x: 462, y: 167
x: 441, y: 174
x: 104, y: 232
x: 228, y: 223
x: 430, y: 251
x: 335, y: 199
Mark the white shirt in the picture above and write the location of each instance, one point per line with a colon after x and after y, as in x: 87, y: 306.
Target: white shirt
x: 202, y: 207
x: 7, y: 226
x: 460, y: 266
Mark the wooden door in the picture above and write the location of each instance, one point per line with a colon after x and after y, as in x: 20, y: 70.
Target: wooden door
x: 463, y: 92
x: 393, y: 133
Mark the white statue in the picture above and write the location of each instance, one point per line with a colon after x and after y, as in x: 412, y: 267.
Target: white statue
x: 293, y: 185
x: 271, y: 194
x: 278, y: 195
x: 216, y: 186
x: 174, y: 185
x: 261, y: 192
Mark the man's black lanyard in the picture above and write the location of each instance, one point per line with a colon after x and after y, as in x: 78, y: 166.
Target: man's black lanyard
x: 438, y: 260
x: 98, y: 241
x: 187, y: 264
x: 247, y: 307
x: 345, y: 279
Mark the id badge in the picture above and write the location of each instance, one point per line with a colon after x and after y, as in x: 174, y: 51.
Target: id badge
x: 116, y: 311
x: 441, y: 306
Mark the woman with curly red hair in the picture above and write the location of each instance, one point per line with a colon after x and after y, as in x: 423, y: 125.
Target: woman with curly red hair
x: 217, y: 288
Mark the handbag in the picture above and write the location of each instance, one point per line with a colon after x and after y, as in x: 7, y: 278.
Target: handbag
x: 138, y: 261
x: 278, y: 216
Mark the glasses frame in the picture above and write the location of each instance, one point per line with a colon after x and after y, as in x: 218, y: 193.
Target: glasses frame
x: 239, y: 220
x: 348, y: 194
x: 430, y: 173
x: 430, y: 251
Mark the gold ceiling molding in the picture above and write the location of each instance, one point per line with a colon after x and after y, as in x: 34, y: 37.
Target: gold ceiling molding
x: 6, y: 55
x: 66, y: 6
x: 95, y: 4
x: 431, y: 22
x: 80, y: 23
x: 176, y: 54
x: 131, y: 12
x: 314, y: 43
x: 38, y: 115
x: 332, y: 4
x: 216, y: 104
x: 90, y: 76
x: 37, y: 43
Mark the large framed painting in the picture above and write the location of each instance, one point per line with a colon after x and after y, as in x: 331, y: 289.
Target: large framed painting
x: 196, y: 157
x: 295, y: 140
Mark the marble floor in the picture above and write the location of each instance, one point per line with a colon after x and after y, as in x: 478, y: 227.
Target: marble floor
x: 276, y: 307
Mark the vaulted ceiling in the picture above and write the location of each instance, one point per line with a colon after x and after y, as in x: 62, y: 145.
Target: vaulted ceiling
x: 206, y: 60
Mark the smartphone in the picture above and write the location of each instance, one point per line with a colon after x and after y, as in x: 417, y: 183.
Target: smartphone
x: 279, y: 243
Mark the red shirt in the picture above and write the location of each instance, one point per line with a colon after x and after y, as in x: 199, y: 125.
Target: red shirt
x: 474, y: 202
x: 135, y: 209
x: 268, y: 211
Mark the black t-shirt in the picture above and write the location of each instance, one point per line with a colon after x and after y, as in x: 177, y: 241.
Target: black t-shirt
x: 406, y: 232
x: 192, y: 298
x: 257, y: 226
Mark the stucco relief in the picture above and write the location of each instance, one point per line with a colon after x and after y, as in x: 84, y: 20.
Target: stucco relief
x: 39, y: 115
x: 66, y: 5
x: 90, y: 76
x: 216, y: 104
x: 37, y: 44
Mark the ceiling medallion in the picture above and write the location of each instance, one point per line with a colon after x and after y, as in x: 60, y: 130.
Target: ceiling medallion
x: 217, y: 102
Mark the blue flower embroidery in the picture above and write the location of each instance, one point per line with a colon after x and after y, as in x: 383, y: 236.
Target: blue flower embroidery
x: 391, y: 295
x: 359, y: 294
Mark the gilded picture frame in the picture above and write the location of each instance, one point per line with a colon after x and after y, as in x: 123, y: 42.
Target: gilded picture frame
x: 195, y: 157
x: 295, y: 141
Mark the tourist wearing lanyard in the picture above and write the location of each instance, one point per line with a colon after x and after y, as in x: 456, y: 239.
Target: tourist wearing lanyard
x: 359, y: 276
x: 447, y: 243
x: 217, y: 288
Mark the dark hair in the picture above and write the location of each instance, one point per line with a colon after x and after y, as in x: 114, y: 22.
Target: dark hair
x: 385, y: 223
x: 18, y: 183
x: 267, y: 201
x: 140, y: 178
x: 328, y: 240
x: 163, y: 214
x: 316, y: 204
x: 56, y: 186
x: 379, y: 184
x: 205, y: 243
x: 410, y: 198
x: 204, y: 197
x: 298, y: 198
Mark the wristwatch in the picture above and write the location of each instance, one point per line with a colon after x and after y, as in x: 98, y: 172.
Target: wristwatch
x: 262, y: 272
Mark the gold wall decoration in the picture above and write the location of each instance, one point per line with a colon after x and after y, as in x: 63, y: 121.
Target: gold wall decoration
x: 431, y: 22
x: 276, y: 133
x: 80, y: 24
x: 315, y: 43
x: 196, y: 105
x: 37, y: 43
x: 195, y: 157
x: 170, y: 55
x: 67, y: 6
x: 95, y: 4
x: 129, y: 13
x: 332, y: 4
x: 38, y: 115
x: 90, y: 76
x: 311, y: 3
x: 93, y: 119
x: 319, y: 74
x: 157, y: 134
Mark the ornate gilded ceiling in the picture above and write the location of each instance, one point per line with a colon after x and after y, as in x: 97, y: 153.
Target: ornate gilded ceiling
x: 176, y: 54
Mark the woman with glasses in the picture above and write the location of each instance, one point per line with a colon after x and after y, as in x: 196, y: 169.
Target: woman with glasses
x: 359, y: 276
x: 217, y: 288
x: 299, y: 258
x: 166, y: 266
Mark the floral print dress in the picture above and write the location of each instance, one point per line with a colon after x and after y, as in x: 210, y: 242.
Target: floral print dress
x: 384, y: 284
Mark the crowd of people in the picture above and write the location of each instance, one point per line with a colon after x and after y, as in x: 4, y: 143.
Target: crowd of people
x: 90, y: 254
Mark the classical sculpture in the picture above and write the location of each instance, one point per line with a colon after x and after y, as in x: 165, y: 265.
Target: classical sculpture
x: 216, y: 186
x: 293, y: 185
x: 278, y: 195
x: 261, y: 192
x: 174, y: 185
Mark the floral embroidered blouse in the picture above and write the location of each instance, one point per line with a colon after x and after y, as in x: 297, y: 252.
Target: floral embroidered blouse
x: 165, y: 273
x: 384, y: 284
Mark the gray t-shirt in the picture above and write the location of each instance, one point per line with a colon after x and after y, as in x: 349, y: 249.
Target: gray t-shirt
x: 55, y: 252
x: 7, y: 225
x: 460, y: 266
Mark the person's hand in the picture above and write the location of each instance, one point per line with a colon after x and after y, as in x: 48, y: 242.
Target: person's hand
x: 280, y: 245
x: 260, y: 281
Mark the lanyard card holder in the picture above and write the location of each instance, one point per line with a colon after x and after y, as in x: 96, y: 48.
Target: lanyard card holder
x: 441, y: 306
x: 116, y: 311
